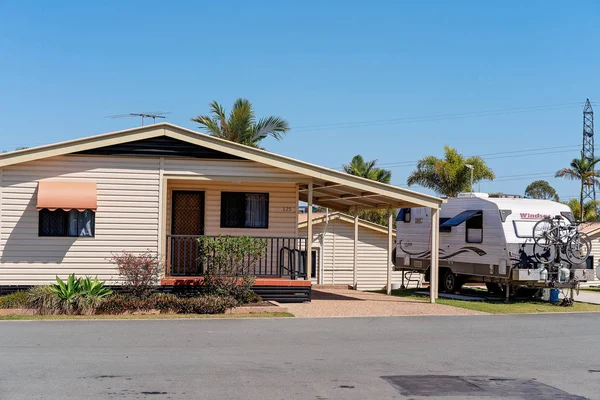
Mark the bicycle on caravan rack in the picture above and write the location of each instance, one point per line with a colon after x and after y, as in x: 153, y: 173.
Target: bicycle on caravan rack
x: 552, y: 236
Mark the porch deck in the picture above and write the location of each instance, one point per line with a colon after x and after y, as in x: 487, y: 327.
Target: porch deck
x: 197, y: 281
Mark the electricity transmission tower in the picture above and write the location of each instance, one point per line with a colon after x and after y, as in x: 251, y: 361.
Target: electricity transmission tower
x: 589, y: 191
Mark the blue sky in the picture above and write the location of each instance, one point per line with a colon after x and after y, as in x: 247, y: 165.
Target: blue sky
x: 351, y: 77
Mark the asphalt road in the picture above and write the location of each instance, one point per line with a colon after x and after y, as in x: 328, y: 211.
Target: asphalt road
x: 526, y: 356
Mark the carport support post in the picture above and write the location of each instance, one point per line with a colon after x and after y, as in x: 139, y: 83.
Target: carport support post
x: 309, y: 231
x: 355, y: 261
x: 435, y: 253
x: 390, y: 250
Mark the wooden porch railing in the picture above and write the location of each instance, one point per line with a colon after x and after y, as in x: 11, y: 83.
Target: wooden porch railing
x: 285, y: 257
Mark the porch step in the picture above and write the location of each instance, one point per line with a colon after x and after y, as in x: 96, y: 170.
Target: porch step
x: 277, y: 289
x: 284, y: 294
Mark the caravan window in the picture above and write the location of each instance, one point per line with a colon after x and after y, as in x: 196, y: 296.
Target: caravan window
x: 474, y: 227
x: 404, y: 215
x: 445, y: 228
x: 524, y: 229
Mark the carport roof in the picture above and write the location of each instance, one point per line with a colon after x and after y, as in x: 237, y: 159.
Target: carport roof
x: 333, y: 189
x: 321, y: 217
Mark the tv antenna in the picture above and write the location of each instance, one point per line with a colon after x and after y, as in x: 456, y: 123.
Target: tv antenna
x: 143, y: 115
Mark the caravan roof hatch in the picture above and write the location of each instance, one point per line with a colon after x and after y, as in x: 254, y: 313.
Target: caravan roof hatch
x: 462, y: 217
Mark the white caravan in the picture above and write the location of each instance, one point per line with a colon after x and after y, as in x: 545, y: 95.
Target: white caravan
x: 485, y: 239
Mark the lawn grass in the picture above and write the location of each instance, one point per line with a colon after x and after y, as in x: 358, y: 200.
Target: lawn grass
x: 518, y: 307
x: 142, y: 317
x: 500, y: 307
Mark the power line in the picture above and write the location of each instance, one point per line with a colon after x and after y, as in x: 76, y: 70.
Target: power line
x: 526, y: 152
x: 439, y: 117
x: 485, y: 156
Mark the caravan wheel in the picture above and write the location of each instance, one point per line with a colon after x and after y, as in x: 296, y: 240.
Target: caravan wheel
x: 450, y: 282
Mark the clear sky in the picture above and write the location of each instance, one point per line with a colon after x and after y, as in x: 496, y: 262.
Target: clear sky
x: 393, y: 81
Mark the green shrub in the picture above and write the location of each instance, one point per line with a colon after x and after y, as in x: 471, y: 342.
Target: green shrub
x: 140, y: 273
x: 14, y: 300
x: 165, y: 302
x: 206, y: 304
x: 45, y: 300
x: 229, y: 264
x: 120, y: 303
x: 68, y: 293
x: 75, y: 296
x: 91, y: 294
x: 253, y: 298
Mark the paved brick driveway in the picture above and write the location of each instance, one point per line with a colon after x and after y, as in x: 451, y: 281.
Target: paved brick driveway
x: 353, y: 303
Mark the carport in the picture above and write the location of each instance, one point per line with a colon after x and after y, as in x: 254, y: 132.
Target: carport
x: 351, y: 194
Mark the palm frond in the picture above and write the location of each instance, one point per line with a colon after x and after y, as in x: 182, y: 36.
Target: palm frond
x: 273, y: 126
x: 211, y: 125
x: 240, y: 122
x: 217, y: 110
x: 567, y: 173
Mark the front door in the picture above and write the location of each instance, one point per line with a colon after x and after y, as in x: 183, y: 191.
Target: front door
x: 186, y: 225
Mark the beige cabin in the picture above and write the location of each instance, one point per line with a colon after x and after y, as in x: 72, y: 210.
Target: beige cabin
x: 67, y: 207
x: 592, y: 229
x: 333, y: 252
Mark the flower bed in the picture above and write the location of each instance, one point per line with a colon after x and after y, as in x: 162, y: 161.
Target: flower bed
x: 123, y: 304
x: 227, y: 284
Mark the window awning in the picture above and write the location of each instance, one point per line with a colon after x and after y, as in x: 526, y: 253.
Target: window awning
x: 462, y: 217
x: 67, y: 195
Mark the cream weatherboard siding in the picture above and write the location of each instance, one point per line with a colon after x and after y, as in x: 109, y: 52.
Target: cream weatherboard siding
x: 595, y: 238
x: 338, y: 255
x: 128, y: 214
x: 283, y: 206
x: 236, y: 169
x: 126, y: 219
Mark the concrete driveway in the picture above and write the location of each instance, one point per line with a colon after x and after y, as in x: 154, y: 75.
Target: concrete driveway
x: 353, y: 303
x: 587, y: 296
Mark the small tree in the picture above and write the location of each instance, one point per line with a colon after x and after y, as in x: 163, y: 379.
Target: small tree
x: 229, y: 264
x: 140, y: 273
x: 540, y: 190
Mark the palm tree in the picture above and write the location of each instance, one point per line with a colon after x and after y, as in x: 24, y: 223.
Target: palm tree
x: 241, y: 125
x: 367, y: 169
x: 589, y: 209
x: 451, y: 175
x: 582, y: 169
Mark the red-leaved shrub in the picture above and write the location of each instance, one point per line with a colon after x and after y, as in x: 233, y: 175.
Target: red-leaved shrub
x: 140, y: 273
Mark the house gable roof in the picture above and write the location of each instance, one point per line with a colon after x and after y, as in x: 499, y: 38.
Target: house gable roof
x: 160, y: 146
x: 319, y: 218
x: 333, y: 189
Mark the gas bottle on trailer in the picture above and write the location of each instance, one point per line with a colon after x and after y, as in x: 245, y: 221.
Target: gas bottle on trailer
x: 565, y: 274
x: 544, y: 274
